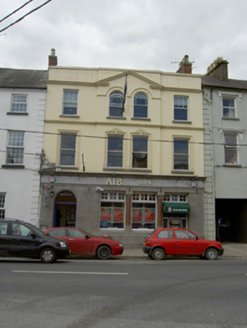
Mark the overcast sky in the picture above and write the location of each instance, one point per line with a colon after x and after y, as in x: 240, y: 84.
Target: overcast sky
x: 131, y: 34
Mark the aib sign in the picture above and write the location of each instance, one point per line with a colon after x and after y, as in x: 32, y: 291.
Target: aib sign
x: 52, y: 179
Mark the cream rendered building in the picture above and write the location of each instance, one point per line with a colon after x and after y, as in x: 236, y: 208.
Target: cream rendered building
x: 123, y: 151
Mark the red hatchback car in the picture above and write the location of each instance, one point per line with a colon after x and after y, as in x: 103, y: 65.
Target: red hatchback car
x: 83, y: 243
x: 178, y: 241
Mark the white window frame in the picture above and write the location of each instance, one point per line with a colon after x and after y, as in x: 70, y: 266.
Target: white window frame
x: 233, y: 95
x: 21, y: 106
x: 144, y: 108
x: 2, y: 205
x: 231, y: 109
x: 15, y: 145
x: 175, y: 198
x: 117, y: 198
x: 117, y: 106
x: 71, y: 102
x: 181, y: 154
x: 136, y: 152
x: 185, y: 109
x: 115, y: 151
x: 67, y: 149
x: 142, y: 199
x: 235, y: 159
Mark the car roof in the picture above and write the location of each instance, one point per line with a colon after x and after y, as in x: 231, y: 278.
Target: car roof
x: 10, y: 219
x: 63, y: 228
x: 172, y: 229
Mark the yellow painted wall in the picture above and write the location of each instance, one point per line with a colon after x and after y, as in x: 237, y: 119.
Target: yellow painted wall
x: 93, y: 124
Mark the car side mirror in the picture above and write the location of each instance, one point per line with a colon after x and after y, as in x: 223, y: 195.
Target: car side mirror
x: 87, y: 237
x: 33, y: 235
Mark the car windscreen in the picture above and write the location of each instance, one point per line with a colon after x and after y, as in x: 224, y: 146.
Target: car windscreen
x: 35, y: 229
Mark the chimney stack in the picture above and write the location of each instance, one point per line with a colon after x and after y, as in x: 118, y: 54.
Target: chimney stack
x: 185, y: 66
x: 53, y: 58
x: 219, y: 69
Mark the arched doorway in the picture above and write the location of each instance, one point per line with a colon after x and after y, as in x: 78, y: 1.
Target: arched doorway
x: 65, y: 210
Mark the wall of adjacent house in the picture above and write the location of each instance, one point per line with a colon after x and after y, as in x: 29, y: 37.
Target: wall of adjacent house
x: 209, y: 191
x: 21, y: 185
x: 230, y: 180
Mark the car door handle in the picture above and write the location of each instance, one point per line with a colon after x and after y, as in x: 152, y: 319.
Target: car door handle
x: 178, y: 242
x: 71, y: 239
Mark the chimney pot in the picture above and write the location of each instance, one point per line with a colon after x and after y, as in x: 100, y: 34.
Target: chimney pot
x: 185, y: 66
x: 52, y: 58
x: 219, y: 69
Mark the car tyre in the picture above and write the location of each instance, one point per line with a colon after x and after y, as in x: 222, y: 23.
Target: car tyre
x: 211, y: 254
x: 104, y: 252
x: 158, y: 254
x: 48, y: 255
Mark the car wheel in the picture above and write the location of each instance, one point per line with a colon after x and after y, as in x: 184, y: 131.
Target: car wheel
x: 158, y: 254
x: 48, y: 255
x: 211, y: 254
x: 104, y: 252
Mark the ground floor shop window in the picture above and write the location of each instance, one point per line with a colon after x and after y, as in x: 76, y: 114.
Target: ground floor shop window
x: 2, y: 206
x: 176, y: 211
x: 175, y: 221
x: 143, y: 211
x: 112, y: 210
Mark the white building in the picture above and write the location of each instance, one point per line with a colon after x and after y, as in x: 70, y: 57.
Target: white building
x: 22, y: 108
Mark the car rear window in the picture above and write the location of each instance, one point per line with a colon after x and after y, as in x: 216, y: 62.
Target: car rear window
x: 165, y: 234
x: 57, y: 232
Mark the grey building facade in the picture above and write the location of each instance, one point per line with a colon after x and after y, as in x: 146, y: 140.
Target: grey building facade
x: 225, y: 138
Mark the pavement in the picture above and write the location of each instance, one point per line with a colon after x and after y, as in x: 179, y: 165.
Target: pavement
x: 230, y: 250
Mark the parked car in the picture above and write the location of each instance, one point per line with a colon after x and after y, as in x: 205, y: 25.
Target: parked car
x: 178, y: 241
x: 22, y: 239
x: 83, y: 243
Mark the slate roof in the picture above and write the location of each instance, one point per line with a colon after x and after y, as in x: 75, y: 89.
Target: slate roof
x: 23, y: 78
x: 229, y: 84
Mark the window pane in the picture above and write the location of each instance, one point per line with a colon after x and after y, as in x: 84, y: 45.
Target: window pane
x: 181, y: 146
x: 19, y: 103
x: 68, y: 141
x: 16, y: 139
x: 180, y: 114
x: 76, y: 233
x: 115, y: 151
x: 140, y: 155
x: 2, y: 200
x: 15, y: 156
x: 70, y: 102
x: 181, y: 160
x: 3, y: 228
x: 230, y: 139
x: 57, y: 232
x: 165, y: 234
x: 230, y: 156
x: 229, y: 107
x: 140, y: 105
x: 112, y: 213
x: 231, y: 150
x: 139, y: 160
x: 115, y: 143
x: 68, y: 148
x: 15, y: 150
x: 140, y: 144
x: 116, y: 104
x: 180, y: 108
x: 143, y: 216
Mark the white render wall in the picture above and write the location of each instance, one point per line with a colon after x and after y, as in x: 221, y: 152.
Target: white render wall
x: 21, y: 186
